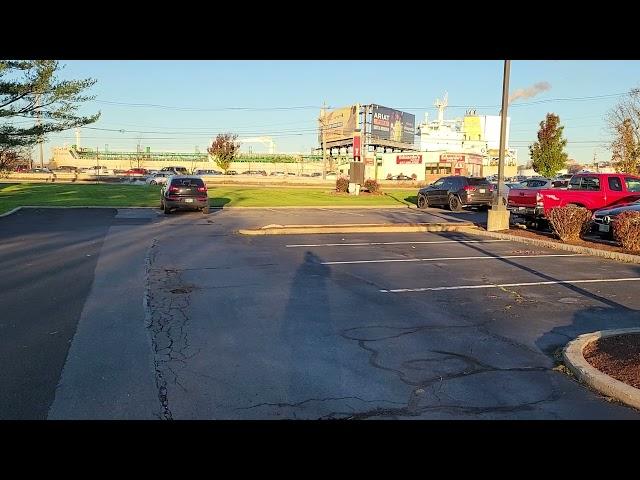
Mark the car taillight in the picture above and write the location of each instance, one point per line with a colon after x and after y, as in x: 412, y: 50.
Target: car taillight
x: 202, y: 189
x: 539, y: 199
x: 469, y: 188
x: 174, y: 189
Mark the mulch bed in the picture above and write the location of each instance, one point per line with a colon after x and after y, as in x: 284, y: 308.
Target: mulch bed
x: 519, y: 232
x: 617, y: 356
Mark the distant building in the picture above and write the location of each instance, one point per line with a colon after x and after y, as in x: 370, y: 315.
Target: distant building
x: 473, y: 135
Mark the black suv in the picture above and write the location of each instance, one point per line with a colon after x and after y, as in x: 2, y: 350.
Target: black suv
x: 456, y: 192
x: 184, y: 193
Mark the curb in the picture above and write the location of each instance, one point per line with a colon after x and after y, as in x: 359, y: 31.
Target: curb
x: 6, y: 214
x: 575, y: 361
x: 594, y: 252
x: 357, y: 228
x: 315, y: 207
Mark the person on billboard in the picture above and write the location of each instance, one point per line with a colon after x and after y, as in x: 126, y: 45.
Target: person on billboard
x: 396, y: 128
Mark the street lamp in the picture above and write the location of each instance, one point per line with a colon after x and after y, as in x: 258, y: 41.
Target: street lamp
x: 498, y: 216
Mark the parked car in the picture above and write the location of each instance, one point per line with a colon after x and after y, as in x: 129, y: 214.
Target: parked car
x: 593, y: 191
x: 316, y: 174
x: 231, y: 172
x: 136, y: 172
x: 184, y: 193
x: 255, y: 173
x: 66, y: 169
x: 402, y: 177
x: 456, y: 192
x: 175, y: 170
x: 277, y: 174
x: 40, y: 170
x: 505, y: 193
x: 159, y: 178
x: 604, y: 219
x: 97, y: 170
x: 207, y: 172
x: 22, y: 169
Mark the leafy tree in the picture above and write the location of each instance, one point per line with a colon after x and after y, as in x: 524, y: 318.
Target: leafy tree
x: 547, y: 154
x: 10, y: 158
x: 624, y: 124
x: 29, y: 89
x: 224, y: 149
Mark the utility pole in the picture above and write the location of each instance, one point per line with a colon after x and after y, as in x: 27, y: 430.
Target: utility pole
x: 498, y: 216
x: 324, y: 148
x: 38, y: 123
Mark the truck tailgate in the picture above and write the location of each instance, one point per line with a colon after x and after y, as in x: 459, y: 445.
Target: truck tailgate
x: 522, y: 197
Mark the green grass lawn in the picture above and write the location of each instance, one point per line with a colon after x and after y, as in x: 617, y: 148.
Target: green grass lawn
x: 73, y: 195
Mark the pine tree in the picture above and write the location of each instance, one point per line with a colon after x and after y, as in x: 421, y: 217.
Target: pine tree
x: 547, y: 154
x: 29, y: 89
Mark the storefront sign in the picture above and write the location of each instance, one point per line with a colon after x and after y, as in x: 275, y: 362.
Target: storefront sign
x: 408, y: 159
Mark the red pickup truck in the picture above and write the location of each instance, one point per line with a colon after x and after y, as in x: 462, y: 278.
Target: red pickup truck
x: 589, y: 190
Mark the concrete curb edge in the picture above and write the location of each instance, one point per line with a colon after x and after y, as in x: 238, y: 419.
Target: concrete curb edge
x: 10, y: 212
x: 575, y: 361
x: 356, y: 228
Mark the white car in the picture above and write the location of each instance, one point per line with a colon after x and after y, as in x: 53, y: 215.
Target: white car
x: 159, y: 178
x: 97, y: 171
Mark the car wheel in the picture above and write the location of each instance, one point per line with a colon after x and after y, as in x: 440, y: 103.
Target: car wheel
x: 166, y: 209
x: 153, y: 182
x: 454, y: 204
x: 422, y: 201
x: 206, y: 210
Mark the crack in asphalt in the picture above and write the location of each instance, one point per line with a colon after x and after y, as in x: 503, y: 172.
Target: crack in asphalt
x: 471, y: 366
x: 166, y: 300
x: 327, y: 399
x: 453, y: 409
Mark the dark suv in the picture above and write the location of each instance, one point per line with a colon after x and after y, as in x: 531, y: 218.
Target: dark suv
x: 184, y: 193
x: 456, y: 192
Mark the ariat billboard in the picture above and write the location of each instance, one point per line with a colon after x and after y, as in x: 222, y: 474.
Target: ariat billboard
x: 394, y: 125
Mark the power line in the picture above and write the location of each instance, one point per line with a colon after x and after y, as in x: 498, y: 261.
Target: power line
x: 218, y: 109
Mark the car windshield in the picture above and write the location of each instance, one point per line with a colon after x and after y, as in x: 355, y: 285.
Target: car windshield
x: 187, y: 182
x: 478, y: 181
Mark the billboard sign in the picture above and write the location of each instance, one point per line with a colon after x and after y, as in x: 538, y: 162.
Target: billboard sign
x: 408, y: 159
x: 394, y: 125
x: 339, y: 124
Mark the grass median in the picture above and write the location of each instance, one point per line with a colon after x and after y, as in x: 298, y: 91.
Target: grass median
x: 108, y: 195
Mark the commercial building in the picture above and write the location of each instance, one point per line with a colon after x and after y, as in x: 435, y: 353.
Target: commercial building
x: 382, y: 137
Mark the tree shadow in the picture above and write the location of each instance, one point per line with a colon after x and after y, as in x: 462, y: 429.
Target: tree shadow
x: 218, y: 202
x: 610, y: 314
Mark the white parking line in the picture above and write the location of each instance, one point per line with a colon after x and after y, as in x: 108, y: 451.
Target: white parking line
x: 441, y: 259
x: 366, y: 244
x: 528, y: 284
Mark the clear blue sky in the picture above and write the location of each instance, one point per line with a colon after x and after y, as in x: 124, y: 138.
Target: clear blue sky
x: 407, y: 85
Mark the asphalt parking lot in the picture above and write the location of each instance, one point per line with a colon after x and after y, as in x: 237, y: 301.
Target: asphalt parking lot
x: 188, y: 320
